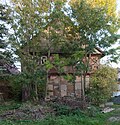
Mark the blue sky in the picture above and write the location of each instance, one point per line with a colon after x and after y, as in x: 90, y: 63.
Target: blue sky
x: 118, y: 4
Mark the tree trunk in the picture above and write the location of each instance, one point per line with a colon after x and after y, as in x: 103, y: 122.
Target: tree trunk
x: 36, y: 92
x: 46, y: 86
x: 83, y: 93
x: 25, y: 93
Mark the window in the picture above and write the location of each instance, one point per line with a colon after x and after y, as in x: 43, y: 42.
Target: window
x: 43, y: 59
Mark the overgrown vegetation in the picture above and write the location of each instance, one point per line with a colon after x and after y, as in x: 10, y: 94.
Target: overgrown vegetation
x: 25, y: 79
x: 46, y: 27
x: 5, y: 51
x: 75, y: 117
x: 73, y: 28
x: 102, y: 84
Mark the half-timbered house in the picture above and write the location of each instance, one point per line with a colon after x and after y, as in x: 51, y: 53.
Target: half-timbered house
x: 58, y: 86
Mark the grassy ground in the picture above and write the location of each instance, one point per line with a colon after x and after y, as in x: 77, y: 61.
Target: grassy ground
x: 90, y: 117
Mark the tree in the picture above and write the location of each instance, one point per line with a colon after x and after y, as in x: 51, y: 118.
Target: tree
x: 3, y: 29
x: 31, y: 32
x: 40, y: 26
x: 97, y: 25
x: 102, y: 84
x: 39, y: 35
x: 6, y: 56
x: 28, y: 23
x: 111, y: 8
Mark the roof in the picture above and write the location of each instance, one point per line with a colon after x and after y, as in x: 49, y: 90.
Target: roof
x: 45, y: 45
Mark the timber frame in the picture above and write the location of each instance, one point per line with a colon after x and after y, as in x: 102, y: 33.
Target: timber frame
x: 57, y: 86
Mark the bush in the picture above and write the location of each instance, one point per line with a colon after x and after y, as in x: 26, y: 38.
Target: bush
x: 26, y: 81
x: 102, y: 84
x: 16, y: 86
x: 61, y: 109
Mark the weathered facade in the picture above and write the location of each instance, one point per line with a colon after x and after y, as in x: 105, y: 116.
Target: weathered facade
x: 59, y: 87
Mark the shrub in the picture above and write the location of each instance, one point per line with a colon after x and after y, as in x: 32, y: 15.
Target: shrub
x: 61, y: 109
x: 102, y: 84
x: 27, y: 81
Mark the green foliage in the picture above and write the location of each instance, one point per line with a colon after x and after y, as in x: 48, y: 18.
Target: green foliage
x: 92, y: 111
x: 26, y: 78
x: 3, y: 29
x: 102, y: 84
x: 6, y: 54
x: 63, y: 120
x: 9, y: 106
x: 61, y: 109
x: 79, y: 118
x: 45, y: 27
x: 93, y: 26
x: 48, y: 65
x: 69, y: 77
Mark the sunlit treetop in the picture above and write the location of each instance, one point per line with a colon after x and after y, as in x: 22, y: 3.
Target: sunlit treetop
x: 110, y: 5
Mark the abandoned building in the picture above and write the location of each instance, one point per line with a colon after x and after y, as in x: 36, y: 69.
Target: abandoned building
x: 58, y: 86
